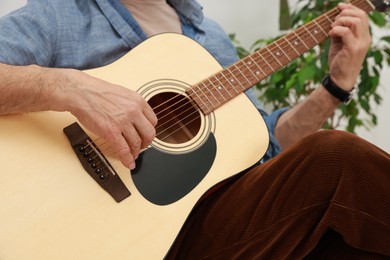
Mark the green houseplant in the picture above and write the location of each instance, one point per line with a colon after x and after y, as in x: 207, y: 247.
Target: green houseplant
x: 289, y: 85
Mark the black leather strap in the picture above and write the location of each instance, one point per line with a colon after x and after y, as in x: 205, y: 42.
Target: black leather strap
x: 336, y: 91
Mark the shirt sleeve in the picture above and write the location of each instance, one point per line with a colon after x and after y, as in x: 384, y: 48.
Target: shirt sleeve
x: 26, y: 35
x: 270, y: 120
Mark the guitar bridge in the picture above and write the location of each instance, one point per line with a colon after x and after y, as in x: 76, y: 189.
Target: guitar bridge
x: 95, y: 163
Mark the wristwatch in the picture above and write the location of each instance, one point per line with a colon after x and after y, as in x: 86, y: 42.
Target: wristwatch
x: 336, y: 91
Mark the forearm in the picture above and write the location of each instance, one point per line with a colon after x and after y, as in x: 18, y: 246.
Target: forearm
x: 30, y: 89
x: 117, y: 114
x: 305, y: 118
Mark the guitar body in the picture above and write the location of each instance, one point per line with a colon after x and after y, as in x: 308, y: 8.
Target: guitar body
x: 50, y: 208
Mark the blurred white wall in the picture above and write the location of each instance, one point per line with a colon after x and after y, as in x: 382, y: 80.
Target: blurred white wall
x: 7, y: 6
x: 254, y: 19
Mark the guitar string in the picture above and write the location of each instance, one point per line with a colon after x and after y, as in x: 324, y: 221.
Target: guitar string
x: 295, y: 35
x: 179, y: 114
x: 269, y: 49
x: 105, y: 152
x: 182, y: 115
x: 316, y: 24
x: 98, y: 148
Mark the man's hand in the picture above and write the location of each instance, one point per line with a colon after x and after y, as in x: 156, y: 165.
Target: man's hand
x: 118, y: 115
x: 350, y: 41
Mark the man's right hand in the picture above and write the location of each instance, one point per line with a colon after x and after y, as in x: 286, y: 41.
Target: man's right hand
x: 118, y: 115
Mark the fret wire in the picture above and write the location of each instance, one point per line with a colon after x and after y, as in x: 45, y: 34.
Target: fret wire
x: 264, y: 63
x: 261, y: 56
x: 326, y: 20
x: 254, y: 74
x: 330, y: 20
x: 293, y: 39
x: 266, y: 48
x: 308, y: 27
x: 234, y: 80
x: 228, y: 82
x: 222, y: 85
x: 208, y: 100
x: 326, y: 34
x: 315, y: 30
x: 212, y: 94
x: 257, y: 65
x: 315, y: 40
x: 217, y: 88
x: 298, y: 36
x: 301, y: 40
x: 310, y: 35
x: 240, y: 70
x: 281, y: 49
x: 318, y: 22
x: 312, y: 25
x: 264, y: 58
x: 196, y: 94
x: 215, y: 84
x: 292, y: 46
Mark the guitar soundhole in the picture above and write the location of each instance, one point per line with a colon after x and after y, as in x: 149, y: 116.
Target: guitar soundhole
x: 178, y: 120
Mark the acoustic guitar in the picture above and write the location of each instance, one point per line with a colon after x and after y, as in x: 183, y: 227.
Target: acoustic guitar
x: 63, y: 197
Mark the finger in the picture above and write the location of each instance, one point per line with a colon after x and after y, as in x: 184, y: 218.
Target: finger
x: 351, y: 10
x: 146, y: 131
x: 149, y: 114
x: 343, y: 33
x: 133, y: 140
x: 123, y: 150
x: 348, y: 21
x: 351, y: 28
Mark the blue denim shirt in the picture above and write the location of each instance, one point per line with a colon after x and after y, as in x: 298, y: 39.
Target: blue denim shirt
x: 85, y: 34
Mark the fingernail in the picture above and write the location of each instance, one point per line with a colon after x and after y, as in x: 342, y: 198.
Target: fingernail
x: 132, y: 166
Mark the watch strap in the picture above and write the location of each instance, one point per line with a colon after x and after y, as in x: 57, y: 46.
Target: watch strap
x: 336, y: 91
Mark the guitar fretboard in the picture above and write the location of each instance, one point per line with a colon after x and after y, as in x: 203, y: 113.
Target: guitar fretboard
x: 223, y: 86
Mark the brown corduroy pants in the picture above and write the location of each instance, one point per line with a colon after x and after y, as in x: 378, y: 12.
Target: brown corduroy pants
x: 327, y: 196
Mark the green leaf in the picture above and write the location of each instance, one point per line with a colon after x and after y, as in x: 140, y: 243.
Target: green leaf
x: 365, y: 104
x: 306, y: 73
x: 378, y: 57
x: 378, y: 18
x: 285, y: 86
x: 284, y: 16
x: 386, y: 38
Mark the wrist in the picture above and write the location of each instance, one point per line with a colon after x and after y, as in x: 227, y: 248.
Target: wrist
x: 337, y: 91
x: 64, y: 89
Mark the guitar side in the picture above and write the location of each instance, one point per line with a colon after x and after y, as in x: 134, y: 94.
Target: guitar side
x: 51, y: 209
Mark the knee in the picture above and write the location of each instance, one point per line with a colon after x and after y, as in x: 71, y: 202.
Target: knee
x: 335, y: 138
x: 335, y: 143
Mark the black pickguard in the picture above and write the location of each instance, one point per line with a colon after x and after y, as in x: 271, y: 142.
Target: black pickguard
x: 164, y: 178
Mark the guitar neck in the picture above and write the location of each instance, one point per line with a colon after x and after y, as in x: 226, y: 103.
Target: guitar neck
x: 223, y: 86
